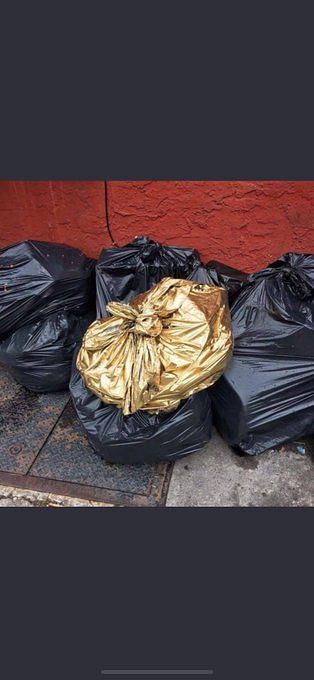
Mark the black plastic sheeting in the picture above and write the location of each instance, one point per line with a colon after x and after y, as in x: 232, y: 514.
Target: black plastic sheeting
x: 227, y: 277
x: 142, y: 437
x: 39, y: 355
x: 39, y: 278
x: 266, y: 395
x: 122, y: 273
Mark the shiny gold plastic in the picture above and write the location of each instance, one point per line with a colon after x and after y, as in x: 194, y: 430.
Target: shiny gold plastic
x: 165, y: 345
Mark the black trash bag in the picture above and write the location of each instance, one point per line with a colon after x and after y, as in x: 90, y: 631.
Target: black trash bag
x: 123, y: 273
x: 39, y: 356
x: 141, y: 437
x: 39, y: 278
x: 228, y: 277
x: 266, y: 395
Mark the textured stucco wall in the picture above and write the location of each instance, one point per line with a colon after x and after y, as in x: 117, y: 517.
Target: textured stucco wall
x: 245, y: 224
x: 65, y: 212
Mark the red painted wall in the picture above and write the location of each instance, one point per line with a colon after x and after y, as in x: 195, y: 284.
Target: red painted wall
x: 65, y: 212
x: 245, y: 224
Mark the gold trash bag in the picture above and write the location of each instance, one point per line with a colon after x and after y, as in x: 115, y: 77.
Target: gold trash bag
x: 168, y: 343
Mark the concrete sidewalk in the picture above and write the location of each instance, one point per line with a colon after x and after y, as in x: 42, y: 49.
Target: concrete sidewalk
x: 218, y: 476
x: 215, y: 477
x: 11, y: 497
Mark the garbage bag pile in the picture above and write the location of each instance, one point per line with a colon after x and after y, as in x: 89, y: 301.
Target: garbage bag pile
x: 131, y: 409
x: 145, y: 375
x: 266, y: 395
x: 122, y: 273
x: 47, y: 298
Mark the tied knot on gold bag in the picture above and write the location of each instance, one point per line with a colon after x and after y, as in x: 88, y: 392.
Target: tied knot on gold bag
x: 144, y: 323
x: 164, y: 346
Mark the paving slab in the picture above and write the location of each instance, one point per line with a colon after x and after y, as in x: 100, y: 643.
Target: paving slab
x: 68, y: 456
x: 43, y: 449
x: 218, y: 476
x: 26, y: 420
